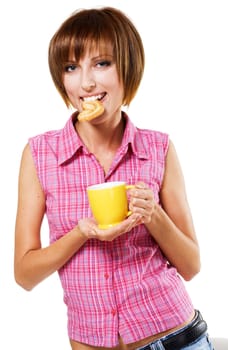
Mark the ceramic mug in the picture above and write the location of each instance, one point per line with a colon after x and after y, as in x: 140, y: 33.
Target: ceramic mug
x: 108, y: 202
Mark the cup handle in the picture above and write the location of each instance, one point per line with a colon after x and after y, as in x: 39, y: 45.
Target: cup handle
x: 127, y: 188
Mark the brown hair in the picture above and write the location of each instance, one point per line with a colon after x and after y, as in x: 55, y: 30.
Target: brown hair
x: 87, y: 28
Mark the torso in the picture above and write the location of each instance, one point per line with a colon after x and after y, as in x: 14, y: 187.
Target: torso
x: 60, y: 159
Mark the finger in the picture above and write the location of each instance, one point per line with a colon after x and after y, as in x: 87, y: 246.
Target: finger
x: 92, y: 233
x: 135, y: 220
x: 141, y: 203
x: 141, y: 185
x: 145, y: 194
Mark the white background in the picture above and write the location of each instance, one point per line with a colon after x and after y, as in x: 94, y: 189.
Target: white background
x: 184, y: 92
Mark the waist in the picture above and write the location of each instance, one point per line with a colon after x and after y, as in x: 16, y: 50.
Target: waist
x: 177, y: 338
x: 160, y: 335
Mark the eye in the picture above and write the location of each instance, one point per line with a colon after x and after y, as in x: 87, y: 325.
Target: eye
x: 70, y: 67
x: 104, y: 63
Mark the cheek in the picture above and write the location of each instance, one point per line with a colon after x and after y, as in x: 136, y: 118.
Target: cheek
x: 116, y: 88
x: 69, y: 85
x: 70, y: 89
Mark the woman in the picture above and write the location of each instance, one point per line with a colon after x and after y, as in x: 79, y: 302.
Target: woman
x: 122, y: 286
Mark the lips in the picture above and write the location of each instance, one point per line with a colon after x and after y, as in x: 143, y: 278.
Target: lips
x: 98, y: 97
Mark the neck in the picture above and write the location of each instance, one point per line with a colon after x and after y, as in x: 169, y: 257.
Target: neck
x: 106, y: 136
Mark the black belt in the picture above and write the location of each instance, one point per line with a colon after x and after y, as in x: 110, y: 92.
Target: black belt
x: 188, y: 335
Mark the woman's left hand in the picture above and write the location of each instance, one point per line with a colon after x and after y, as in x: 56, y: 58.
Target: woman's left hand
x: 142, y: 201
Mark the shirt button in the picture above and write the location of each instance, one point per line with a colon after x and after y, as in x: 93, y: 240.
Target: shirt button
x: 106, y: 275
x: 113, y: 312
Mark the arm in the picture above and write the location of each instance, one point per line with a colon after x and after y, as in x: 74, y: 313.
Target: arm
x: 171, y: 223
x: 32, y: 263
x: 175, y: 229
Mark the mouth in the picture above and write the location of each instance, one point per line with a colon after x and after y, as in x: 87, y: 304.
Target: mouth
x: 98, y: 97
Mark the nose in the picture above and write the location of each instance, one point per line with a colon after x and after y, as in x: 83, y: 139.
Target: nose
x: 87, y: 80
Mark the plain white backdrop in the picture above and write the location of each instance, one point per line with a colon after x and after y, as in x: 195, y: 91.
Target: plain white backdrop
x: 184, y: 93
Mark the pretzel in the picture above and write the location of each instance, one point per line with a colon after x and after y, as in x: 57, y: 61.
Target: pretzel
x: 91, y: 110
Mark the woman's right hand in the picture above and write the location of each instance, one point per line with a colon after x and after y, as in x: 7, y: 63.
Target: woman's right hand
x: 89, y: 228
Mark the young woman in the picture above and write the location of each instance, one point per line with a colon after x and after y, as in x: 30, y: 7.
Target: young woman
x: 122, y: 286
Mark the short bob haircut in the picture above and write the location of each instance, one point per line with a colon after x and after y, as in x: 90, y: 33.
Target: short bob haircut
x: 98, y: 28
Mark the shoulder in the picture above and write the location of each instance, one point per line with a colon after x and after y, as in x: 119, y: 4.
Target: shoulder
x: 153, y: 134
x: 50, y: 140
x: 48, y: 136
x: 153, y: 139
x: 42, y: 142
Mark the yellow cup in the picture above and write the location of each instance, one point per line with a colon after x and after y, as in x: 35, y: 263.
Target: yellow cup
x: 108, y: 202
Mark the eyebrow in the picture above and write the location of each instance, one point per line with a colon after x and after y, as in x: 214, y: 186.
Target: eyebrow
x: 102, y: 55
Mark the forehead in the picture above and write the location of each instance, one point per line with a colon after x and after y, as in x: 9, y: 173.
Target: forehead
x: 91, y: 48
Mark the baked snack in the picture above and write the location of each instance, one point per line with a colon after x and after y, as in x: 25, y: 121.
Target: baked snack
x: 91, y: 110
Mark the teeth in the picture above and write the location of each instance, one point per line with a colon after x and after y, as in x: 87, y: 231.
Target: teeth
x: 92, y: 98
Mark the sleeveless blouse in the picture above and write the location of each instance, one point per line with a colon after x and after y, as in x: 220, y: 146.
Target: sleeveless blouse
x: 125, y: 287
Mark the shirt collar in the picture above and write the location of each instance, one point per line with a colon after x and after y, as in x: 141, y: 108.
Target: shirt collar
x: 70, y: 142
x: 133, y: 138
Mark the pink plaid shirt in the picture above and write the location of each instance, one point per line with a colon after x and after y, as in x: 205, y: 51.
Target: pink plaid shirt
x: 125, y: 287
